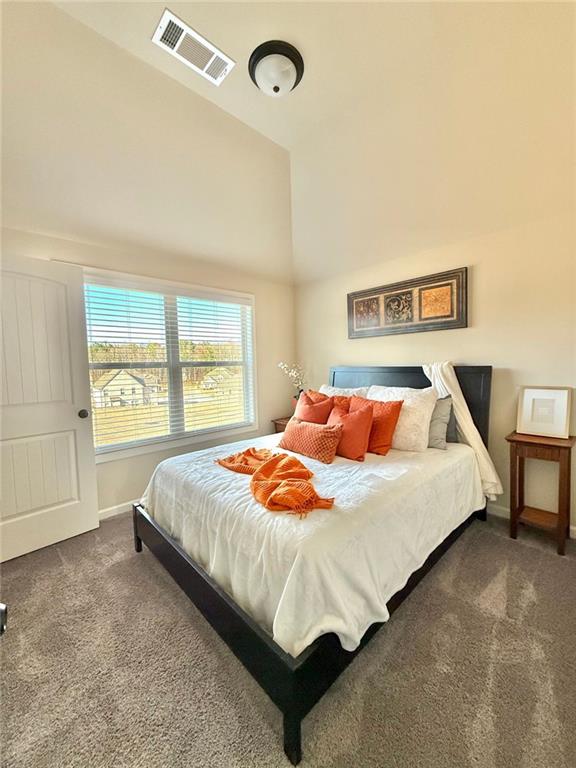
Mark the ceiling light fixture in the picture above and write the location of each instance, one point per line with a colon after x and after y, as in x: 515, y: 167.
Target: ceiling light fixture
x: 276, y: 67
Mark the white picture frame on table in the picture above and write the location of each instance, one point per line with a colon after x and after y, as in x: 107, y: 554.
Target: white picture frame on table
x: 544, y: 411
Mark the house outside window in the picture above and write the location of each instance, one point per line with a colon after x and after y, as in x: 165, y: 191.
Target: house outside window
x: 186, y: 356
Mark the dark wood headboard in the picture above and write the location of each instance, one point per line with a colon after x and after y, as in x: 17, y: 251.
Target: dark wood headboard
x: 475, y: 382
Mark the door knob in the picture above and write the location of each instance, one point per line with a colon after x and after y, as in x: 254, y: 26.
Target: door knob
x: 83, y: 413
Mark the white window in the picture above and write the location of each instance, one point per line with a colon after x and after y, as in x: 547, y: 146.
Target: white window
x: 185, y: 354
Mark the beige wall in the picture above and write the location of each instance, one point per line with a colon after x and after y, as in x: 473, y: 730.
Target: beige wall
x: 123, y: 480
x: 529, y: 339
x: 460, y: 153
x: 470, y: 163
x: 100, y: 147
x: 109, y: 163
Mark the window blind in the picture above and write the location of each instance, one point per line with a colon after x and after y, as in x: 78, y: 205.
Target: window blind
x: 165, y: 365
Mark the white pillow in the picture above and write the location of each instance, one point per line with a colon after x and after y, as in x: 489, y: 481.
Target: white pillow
x: 413, y: 426
x: 325, y: 389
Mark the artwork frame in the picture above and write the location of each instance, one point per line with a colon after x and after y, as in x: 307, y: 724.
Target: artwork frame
x: 431, y: 303
x: 544, y: 411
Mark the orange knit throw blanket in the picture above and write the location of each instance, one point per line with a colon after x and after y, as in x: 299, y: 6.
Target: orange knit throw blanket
x: 279, y: 482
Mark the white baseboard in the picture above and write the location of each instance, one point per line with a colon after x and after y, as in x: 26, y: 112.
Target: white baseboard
x: 126, y: 506
x: 499, y: 511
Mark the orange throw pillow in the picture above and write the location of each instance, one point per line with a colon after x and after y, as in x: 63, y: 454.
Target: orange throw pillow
x: 319, y: 441
x: 309, y: 410
x: 356, y: 428
x: 316, y: 397
x: 385, y: 418
x: 342, y: 401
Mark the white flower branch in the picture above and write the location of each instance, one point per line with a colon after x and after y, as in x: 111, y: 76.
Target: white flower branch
x: 295, y: 373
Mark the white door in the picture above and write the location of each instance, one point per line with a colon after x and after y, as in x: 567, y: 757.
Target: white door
x: 48, y: 483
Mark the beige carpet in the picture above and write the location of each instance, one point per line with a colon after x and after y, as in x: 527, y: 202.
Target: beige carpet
x: 107, y: 663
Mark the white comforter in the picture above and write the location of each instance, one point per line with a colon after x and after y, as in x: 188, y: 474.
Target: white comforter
x: 334, y: 570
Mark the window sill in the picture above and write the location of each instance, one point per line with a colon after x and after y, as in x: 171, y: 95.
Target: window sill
x: 178, y: 442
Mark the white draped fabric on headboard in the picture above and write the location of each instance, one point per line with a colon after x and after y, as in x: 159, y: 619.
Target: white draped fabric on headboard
x: 444, y: 381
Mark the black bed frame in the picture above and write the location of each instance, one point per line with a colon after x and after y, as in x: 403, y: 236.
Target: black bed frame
x: 296, y: 684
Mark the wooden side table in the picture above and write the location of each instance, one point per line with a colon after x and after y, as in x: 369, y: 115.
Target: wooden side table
x: 549, y: 449
x: 280, y: 424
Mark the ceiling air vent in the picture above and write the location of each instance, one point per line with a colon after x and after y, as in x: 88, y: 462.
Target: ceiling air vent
x: 186, y: 45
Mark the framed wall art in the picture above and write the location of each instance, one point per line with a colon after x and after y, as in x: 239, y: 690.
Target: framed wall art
x: 432, y: 303
x: 544, y: 411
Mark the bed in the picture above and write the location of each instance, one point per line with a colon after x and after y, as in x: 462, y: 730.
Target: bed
x: 296, y: 600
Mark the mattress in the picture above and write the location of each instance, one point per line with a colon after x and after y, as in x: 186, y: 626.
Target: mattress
x: 334, y: 570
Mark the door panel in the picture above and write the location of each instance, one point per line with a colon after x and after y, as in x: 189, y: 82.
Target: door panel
x: 38, y: 473
x: 48, y: 471
x: 36, y: 341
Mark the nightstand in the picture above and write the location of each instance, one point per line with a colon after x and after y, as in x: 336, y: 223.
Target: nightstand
x: 549, y: 449
x: 280, y: 424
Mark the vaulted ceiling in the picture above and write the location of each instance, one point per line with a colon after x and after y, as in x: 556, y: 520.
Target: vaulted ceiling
x: 415, y: 124
x: 351, y: 51
x: 101, y: 148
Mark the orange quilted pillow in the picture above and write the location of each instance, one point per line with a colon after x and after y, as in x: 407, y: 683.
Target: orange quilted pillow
x: 316, y: 397
x: 356, y: 428
x: 309, y: 410
x: 342, y: 401
x: 385, y: 418
x: 319, y: 441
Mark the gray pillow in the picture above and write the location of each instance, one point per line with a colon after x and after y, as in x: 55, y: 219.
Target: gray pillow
x: 452, y: 432
x: 439, y: 423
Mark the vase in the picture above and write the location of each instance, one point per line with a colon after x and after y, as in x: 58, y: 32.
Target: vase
x: 295, y: 399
